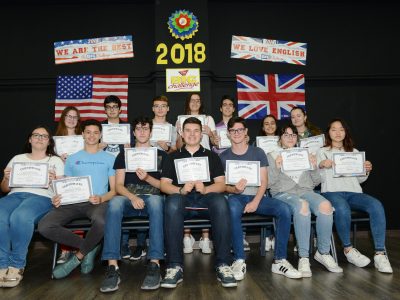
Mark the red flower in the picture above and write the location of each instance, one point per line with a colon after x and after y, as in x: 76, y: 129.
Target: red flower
x: 182, y: 21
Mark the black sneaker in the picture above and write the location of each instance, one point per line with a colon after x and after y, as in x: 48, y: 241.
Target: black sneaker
x: 172, y: 277
x: 112, y: 280
x: 153, y: 277
x: 225, y: 276
x: 138, y: 253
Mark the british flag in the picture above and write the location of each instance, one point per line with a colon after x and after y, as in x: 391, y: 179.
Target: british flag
x: 276, y: 94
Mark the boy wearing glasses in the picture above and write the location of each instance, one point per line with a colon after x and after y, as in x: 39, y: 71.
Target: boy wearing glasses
x: 139, y: 195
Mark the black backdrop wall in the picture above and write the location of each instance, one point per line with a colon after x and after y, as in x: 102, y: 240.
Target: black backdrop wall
x: 352, y: 67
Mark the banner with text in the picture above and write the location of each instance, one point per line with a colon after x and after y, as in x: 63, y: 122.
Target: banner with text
x: 183, y: 80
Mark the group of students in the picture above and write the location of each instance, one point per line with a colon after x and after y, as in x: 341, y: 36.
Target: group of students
x: 159, y: 196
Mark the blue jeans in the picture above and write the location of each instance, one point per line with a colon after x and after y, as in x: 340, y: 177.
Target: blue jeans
x: 19, y: 212
x: 344, y: 202
x: 268, y: 206
x: 302, y: 221
x: 175, y: 214
x: 119, y: 207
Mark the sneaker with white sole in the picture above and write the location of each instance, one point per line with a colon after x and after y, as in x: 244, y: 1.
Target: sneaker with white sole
x: 328, y: 262
x: 64, y: 256
x: 3, y: 273
x: 356, y: 258
x: 381, y: 262
x: 13, y: 277
x: 204, y: 245
x: 269, y: 243
x: 225, y: 276
x: 173, y: 276
x: 238, y: 269
x: 188, y: 242
x: 246, y: 245
x: 283, y: 267
x: 304, y: 267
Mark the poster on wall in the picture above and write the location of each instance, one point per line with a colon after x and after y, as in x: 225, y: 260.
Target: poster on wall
x: 268, y: 50
x: 93, y: 49
x: 183, y: 80
x: 276, y: 94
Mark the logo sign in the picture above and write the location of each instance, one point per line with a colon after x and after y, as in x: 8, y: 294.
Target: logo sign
x: 183, y: 80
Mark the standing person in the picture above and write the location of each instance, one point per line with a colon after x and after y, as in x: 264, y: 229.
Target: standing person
x: 227, y: 109
x: 208, y: 200
x: 139, y: 195
x: 99, y: 166
x: 23, y: 207
x: 248, y: 199
x: 296, y: 189
x: 194, y: 106
x: 345, y: 194
x: 303, y: 126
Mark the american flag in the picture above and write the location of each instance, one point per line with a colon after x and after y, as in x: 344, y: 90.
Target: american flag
x: 276, y: 94
x: 87, y: 93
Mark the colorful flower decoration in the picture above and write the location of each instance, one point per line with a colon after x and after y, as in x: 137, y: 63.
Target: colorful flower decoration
x: 183, y: 24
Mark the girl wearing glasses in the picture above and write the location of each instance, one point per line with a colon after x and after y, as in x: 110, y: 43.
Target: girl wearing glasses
x: 24, y: 206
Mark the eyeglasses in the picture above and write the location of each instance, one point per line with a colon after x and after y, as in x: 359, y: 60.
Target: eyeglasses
x: 40, y: 136
x: 160, y: 106
x: 287, y: 135
x: 115, y: 107
x: 71, y: 117
x: 142, y: 129
x: 239, y: 130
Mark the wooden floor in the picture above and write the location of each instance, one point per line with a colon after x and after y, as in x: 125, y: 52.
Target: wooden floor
x: 200, y: 281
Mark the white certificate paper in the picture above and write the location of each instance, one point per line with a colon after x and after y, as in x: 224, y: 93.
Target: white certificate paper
x: 161, y: 132
x: 224, y: 141
x: 68, y: 144
x: 295, y: 159
x: 192, y: 169
x: 268, y: 143
x: 313, y: 143
x: 116, y: 134
x: 238, y: 169
x: 142, y: 157
x: 182, y: 119
x: 73, y: 189
x: 29, y: 174
x: 348, y: 164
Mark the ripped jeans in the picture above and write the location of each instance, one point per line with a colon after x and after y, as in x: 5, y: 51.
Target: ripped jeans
x: 302, y: 220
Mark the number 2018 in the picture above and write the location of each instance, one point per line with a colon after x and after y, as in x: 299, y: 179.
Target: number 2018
x: 196, y: 52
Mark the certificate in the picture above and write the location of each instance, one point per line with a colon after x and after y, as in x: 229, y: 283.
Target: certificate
x: 268, y: 143
x: 348, y: 164
x: 295, y: 159
x: 182, y: 119
x: 313, y: 143
x: 142, y: 157
x: 68, y: 144
x: 73, y: 189
x: 224, y: 141
x: 161, y: 132
x: 238, y: 169
x: 116, y: 133
x: 29, y: 174
x: 192, y: 169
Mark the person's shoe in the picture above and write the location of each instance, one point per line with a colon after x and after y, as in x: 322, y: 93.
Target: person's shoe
x: 269, y: 244
x: 13, y: 277
x: 125, y: 251
x: 246, y: 245
x: 356, y: 258
x: 138, y: 253
x: 153, y: 277
x: 63, y: 270
x: 283, y: 267
x: 64, y: 256
x: 173, y: 276
x: 188, y: 242
x: 239, y: 269
x: 381, y: 262
x: 3, y: 273
x: 328, y: 262
x: 112, y: 280
x: 88, y: 261
x: 304, y: 267
x: 204, y: 245
x: 225, y: 276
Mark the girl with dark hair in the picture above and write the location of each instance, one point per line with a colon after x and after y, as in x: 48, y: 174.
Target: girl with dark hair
x: 304, y: 128
x: 23, y: 207
x: 345, y: 194
x: 269, y: 126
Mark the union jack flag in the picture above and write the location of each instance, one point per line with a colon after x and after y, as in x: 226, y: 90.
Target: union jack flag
x: 276, y: 94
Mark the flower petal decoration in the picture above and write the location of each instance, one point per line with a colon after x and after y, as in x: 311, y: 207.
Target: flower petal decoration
x: 183, y: 24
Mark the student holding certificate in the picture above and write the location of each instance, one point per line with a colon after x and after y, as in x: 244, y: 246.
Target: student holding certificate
x: 303, y: 126
x: 99, y: 166
x: 345, y: 194
x: 295, y: 187
x: 139, y: 195
x: 204, y: 198
x: 244, y: 198
x: 227, y: 108
x: 26, y: 204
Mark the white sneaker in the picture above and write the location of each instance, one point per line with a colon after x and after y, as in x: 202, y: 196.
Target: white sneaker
x: 246, y: 245
x: 188, y: 242
x: 239, y: 269
x: 283, y: 267
x: 382, y: 263
x: 204, y: 245
x: 269, y: 243
x: 356, y: 258
x: 328, y: 262
x: 304, y: 267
